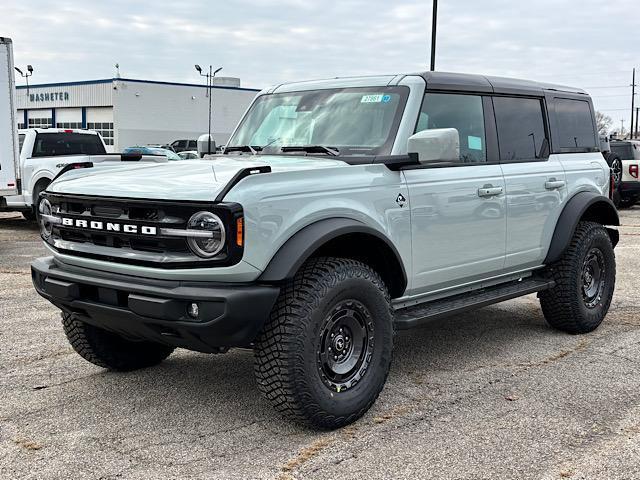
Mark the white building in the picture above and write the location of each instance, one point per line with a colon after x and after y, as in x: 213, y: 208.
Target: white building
x: 130, y: 112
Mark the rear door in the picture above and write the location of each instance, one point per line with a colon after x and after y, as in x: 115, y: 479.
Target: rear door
x: 457, y: 212
x: 535, y: 182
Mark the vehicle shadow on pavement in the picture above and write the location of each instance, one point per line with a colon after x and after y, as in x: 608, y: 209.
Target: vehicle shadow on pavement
x: 15, y: 222
x: 220, y: 389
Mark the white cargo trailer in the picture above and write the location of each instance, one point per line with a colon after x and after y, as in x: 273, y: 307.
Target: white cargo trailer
x: 8, y: 126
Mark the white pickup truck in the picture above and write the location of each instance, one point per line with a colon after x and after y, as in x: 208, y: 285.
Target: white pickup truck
x: 44, y: 152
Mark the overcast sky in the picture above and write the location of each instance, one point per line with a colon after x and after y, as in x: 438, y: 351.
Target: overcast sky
x: 586, y: 43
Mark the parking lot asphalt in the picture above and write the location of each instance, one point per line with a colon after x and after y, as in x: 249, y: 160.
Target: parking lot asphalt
x: 489, y: 394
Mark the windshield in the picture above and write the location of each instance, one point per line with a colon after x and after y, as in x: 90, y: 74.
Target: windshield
x: 355, y: 121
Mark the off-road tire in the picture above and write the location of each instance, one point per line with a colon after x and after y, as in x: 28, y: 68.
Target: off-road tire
x: 565, y: 306
x: 109, y: 350
x: 288, y: 350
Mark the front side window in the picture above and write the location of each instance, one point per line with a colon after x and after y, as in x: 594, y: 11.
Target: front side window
x: 355, y: 121
x: 576, y: 132
x: 462, y: 112
x: 521, y: 131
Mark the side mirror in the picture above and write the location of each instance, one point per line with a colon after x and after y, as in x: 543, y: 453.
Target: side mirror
x: 203, y: 145
x: 435, y: 145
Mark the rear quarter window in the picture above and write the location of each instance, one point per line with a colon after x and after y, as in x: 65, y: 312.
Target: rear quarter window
x: 575, y: 128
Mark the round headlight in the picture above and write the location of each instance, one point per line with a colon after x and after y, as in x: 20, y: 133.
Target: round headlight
x: 46, y: 227
x: 206, y: 246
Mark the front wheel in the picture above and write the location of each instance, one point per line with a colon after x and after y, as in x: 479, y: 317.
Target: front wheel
x: 109, y: 350
x: 324, y: 354
x: 585, y: 278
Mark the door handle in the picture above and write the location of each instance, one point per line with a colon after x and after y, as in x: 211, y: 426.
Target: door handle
x: 489, y: 191
x: 553, y: 184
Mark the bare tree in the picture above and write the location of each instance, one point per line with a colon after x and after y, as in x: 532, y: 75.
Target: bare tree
x: 603, y: 122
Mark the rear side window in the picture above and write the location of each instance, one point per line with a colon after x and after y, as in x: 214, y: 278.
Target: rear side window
x: 462, y: 112
x: 60, y: 144
x: 520, y: 125
x: 20, y: 142
x: 576, y: 132
x: 193, y: 144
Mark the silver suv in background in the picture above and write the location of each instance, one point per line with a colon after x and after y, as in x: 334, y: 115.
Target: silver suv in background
x: 340, y: 211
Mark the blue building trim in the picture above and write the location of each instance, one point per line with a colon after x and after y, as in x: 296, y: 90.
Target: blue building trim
x: 53, y: 117
x: 153, y: 82
x: 84, y: 117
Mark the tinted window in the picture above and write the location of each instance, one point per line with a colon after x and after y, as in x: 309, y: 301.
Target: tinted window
x: 193, y: 144
x: 623, y: 150
x: 20, y: 142
x: 575, y: 125
x: 462, y: 112
x: 57, y: 144
x: 520, y: 128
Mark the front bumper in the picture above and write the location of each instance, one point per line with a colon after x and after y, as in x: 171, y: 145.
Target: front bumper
x: 230, y: 315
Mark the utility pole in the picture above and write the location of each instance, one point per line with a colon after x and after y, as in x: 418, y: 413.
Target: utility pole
x: 637, y: 115
x: 621, y: 128
x: 633, y: 97
x: 434, y: 22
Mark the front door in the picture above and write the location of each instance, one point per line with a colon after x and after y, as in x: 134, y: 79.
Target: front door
x: 458, y: 217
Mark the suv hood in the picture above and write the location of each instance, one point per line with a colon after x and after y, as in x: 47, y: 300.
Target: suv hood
x: 196, y: 180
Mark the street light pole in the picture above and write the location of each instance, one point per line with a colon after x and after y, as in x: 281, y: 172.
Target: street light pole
x: 209, y: 77
x: 434, y: 22
x: 25, y: 75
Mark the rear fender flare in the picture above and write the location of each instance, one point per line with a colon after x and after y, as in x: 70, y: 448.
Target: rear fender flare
x: 583, y: 205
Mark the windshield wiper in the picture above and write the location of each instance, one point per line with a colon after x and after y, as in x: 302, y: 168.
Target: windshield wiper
x: 253, y: 149
x: 333, y: 151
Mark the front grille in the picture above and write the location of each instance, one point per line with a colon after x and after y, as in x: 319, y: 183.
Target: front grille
x: 157, y: 249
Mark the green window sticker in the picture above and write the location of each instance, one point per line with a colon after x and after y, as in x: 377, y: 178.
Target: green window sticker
x: 475, y: 143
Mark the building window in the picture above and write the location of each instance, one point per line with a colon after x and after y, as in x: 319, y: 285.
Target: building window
x: 40, y: 122
x: 72, y: 125
x: 22, y: 126
x: 105, y: 129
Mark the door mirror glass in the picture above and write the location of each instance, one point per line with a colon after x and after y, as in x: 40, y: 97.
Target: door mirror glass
x: 435, y: 145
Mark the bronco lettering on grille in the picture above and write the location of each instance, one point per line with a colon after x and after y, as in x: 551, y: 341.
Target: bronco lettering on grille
x: 109, y: 226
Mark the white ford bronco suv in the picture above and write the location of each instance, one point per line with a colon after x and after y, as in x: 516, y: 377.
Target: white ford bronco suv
x: 339, y: 211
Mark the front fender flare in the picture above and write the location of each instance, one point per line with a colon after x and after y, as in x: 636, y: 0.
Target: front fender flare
x: 573, y: 212
x: 297, y: 249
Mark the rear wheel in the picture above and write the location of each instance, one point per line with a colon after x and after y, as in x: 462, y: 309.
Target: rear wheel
x: 109, y: 350
x: 585, y: 279
x: 324, y: 355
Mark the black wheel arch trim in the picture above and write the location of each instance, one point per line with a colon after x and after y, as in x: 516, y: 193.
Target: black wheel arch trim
x: 571, y: 215
x: 300, y: 246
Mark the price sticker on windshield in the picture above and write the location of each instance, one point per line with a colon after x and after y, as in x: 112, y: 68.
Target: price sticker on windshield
x: 372, y: 98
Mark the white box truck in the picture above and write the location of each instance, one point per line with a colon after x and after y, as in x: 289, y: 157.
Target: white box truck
x: 8, y: 126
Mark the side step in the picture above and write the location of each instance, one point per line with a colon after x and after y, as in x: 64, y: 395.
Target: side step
x: 414, y: 316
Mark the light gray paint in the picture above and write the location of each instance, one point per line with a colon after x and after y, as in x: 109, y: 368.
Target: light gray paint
x: 448, y: 233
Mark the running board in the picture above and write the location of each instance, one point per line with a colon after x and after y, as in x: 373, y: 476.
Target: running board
x: 410, y: 317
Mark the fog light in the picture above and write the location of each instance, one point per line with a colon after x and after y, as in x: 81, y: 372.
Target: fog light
x: 193, y: 310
